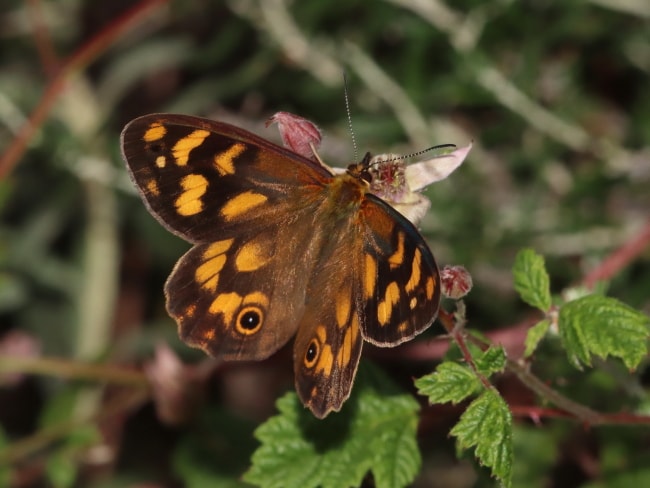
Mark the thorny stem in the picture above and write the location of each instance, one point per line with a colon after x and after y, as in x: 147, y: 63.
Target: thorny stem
x: 456, y: 332
x: 544, y: 391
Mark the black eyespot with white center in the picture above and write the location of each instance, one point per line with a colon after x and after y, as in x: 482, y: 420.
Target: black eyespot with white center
x: 249, y: 320
x: 313, y: 351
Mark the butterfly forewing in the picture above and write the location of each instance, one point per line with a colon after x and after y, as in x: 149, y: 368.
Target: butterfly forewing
x: 203, y: 180
x: 398, y: 280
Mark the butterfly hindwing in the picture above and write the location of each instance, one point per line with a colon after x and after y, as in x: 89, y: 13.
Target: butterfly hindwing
x: 329, y: 342
x: 234, y: 299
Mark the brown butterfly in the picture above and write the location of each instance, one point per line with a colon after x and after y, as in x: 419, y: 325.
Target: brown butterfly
x: 281, y: 247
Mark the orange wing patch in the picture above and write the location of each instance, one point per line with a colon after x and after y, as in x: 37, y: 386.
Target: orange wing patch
x: 189, y: 202
x: 152, y: 188
x: 370, y: 276
x: 155, y: 132
x: 207, y: 273
x: 182, y: 148
x: 251, y: 256
x: 431, y: 287
x: 224, y: 161
x: 416, y: 273
x: 343, y: 308
x: 345, y: 353
x: 397, y: 258
x: 386, y: 306
x: 241, y: 204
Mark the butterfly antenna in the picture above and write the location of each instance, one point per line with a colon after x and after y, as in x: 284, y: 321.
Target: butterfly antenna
x: 418, y: 153
x: 432, y: 148
x: 347, y: 110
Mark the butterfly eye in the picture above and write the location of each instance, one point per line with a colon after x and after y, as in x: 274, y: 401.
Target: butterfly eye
x: 312, y: 353
x: 249, y: 320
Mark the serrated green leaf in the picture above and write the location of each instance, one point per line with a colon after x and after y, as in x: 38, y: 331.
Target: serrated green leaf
x: 531, y: 279
x: 486, y: 425
x: 451, y: 382
x: 373, y: 432
x: 535, y: 334
x: 493, y: 360
x: 603, y: 326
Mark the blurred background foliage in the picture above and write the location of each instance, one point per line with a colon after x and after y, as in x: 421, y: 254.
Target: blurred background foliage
x: 554, y: 95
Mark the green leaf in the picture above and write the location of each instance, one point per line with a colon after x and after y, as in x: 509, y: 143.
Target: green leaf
x: 486, y: 425
x: 531, y: 279
x: 535, y: 334
x: 451, y: 382
x: 603, y: 326
x: 493, y: 360
x: 375, y: 431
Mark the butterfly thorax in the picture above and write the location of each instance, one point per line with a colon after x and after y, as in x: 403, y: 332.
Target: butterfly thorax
x: 345, y: 194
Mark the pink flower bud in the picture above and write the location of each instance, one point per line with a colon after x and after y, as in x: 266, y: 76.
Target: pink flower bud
x: 298, y: 134
x: 456, y: 281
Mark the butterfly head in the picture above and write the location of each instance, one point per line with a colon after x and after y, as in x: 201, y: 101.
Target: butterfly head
x: 362, y: 169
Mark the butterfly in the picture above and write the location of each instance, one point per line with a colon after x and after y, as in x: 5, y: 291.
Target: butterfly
x: 281, y: 247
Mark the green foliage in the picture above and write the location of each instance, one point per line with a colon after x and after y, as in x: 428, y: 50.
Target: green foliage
x: 62, y: 467
x: 492, y: 361
x: 603, y: 326
x: 374, y: 432
x: 535, y: 334
x: 486, y: 425
x: 451, y: 382
x: 589, y: 325
x: 531, y: 279
x: 61, y: 470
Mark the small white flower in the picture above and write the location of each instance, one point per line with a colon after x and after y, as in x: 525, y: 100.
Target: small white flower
x: 399, y: 184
